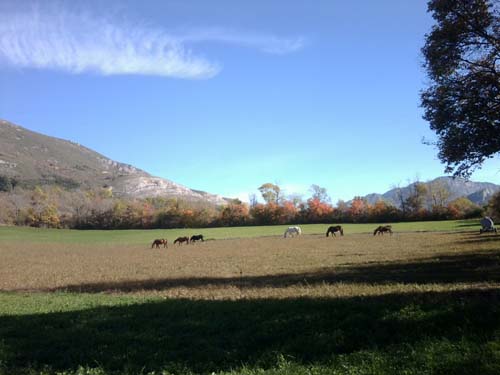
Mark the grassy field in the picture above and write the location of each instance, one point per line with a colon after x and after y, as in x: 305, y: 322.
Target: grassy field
x: 423, y: 301
x: 146, y: 236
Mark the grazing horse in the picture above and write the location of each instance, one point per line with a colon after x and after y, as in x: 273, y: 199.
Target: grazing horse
x: 195, y: 238
x: 333, y: 229
x: 382, y: 229
x: 293, y: 231
x: 159, y: 242
x: 180, y: 240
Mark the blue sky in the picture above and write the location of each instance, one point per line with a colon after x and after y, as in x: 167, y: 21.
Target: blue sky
x: 223, y: 96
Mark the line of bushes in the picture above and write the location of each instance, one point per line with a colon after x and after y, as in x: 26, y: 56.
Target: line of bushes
x: 98, y: 209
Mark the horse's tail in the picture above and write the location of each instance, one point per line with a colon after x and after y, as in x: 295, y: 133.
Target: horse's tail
x: 328, y: 232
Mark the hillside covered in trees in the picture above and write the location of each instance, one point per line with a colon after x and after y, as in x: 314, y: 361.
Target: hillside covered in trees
x: 53, y: 206
x: 50, y: 182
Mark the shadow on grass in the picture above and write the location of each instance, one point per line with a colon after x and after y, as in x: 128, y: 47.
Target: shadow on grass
x: 185, y: 336
x: 477, y: 238
x: 476, y: 267
x: 469, y: 223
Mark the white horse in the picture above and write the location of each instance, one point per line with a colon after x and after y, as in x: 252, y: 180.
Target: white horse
x: 293, y: 231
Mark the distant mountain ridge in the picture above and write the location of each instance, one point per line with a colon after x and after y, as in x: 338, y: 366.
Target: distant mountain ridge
x: 478, y: 192
x: 36, y: 159
x: 33, y: 158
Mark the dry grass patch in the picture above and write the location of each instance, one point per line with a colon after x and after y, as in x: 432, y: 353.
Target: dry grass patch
x: 311, y: 265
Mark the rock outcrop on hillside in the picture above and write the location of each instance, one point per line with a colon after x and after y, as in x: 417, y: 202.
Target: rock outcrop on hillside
x: 36, y: 159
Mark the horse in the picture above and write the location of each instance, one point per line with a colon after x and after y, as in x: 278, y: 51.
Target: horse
x: 293, y: 231
x: 159, y: 242
x: 196, y: 238
x: 180, y: 240
x: 333, y: 229
x: 382, y: 229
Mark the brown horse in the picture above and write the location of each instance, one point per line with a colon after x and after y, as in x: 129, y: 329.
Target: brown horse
x: 382, y: 229
x: 159, y: 242
x: 333, y: 229
x: 195, y: 238
x: 180, y: 240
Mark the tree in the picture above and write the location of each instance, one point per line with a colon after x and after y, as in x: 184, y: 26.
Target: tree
x: 271, y: 193
x: 296, y: 199
x: 438, y: 194
x: 401, y: 197
x: 463, y: 208
x: 359, y: 208
x: 415, y: 200
x: 5, y: 183
x: 318, y: 211
x: 494, y: 206
x: 319, y: 193
x: 235, y: 213
x: 462, y: 103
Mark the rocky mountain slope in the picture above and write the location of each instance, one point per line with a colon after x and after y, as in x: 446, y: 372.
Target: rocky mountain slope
x: 477, y: 192
x: 33, y: 159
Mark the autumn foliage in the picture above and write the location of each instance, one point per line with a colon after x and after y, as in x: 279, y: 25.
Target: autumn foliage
x: 98, y: 209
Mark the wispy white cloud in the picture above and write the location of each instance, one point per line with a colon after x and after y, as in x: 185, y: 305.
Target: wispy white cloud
x: 79, y: 43
x: 76, y: 43
x: 267, y: 43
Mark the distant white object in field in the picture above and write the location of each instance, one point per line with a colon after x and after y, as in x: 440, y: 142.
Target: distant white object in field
x: 293, y: 231
x: 487, y: 225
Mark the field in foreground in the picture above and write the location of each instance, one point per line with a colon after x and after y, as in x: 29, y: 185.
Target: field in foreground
x: 413, y: 303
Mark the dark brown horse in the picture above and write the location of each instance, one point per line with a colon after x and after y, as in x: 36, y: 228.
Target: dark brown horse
x: 383, y: 229
x: 198, y: 237
x: 159, y: 242
x: 180, y: 240
x: 333, y: 229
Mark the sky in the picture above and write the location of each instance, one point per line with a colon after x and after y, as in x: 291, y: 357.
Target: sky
x: 223, y: 96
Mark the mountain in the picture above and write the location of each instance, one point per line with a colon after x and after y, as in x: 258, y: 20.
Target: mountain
x: 477, y: 192
x: 36, y: 159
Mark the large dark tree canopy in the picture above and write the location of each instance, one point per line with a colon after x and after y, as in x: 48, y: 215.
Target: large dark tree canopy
x: 462, y: 103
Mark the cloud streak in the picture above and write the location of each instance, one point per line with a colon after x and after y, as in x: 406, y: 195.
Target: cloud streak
x: 78, y: 43
x: 263, y: 42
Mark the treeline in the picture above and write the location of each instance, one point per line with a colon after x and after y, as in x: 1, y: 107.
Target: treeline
x: 54, y: 207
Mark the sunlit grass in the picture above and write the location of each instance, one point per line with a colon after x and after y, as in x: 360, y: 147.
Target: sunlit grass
x: 105, y: 303
x: 145, y: 236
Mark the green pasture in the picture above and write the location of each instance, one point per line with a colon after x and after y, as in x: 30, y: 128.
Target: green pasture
x: 408, y: 331
x: 98, y: 334
x: 146, y: 236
